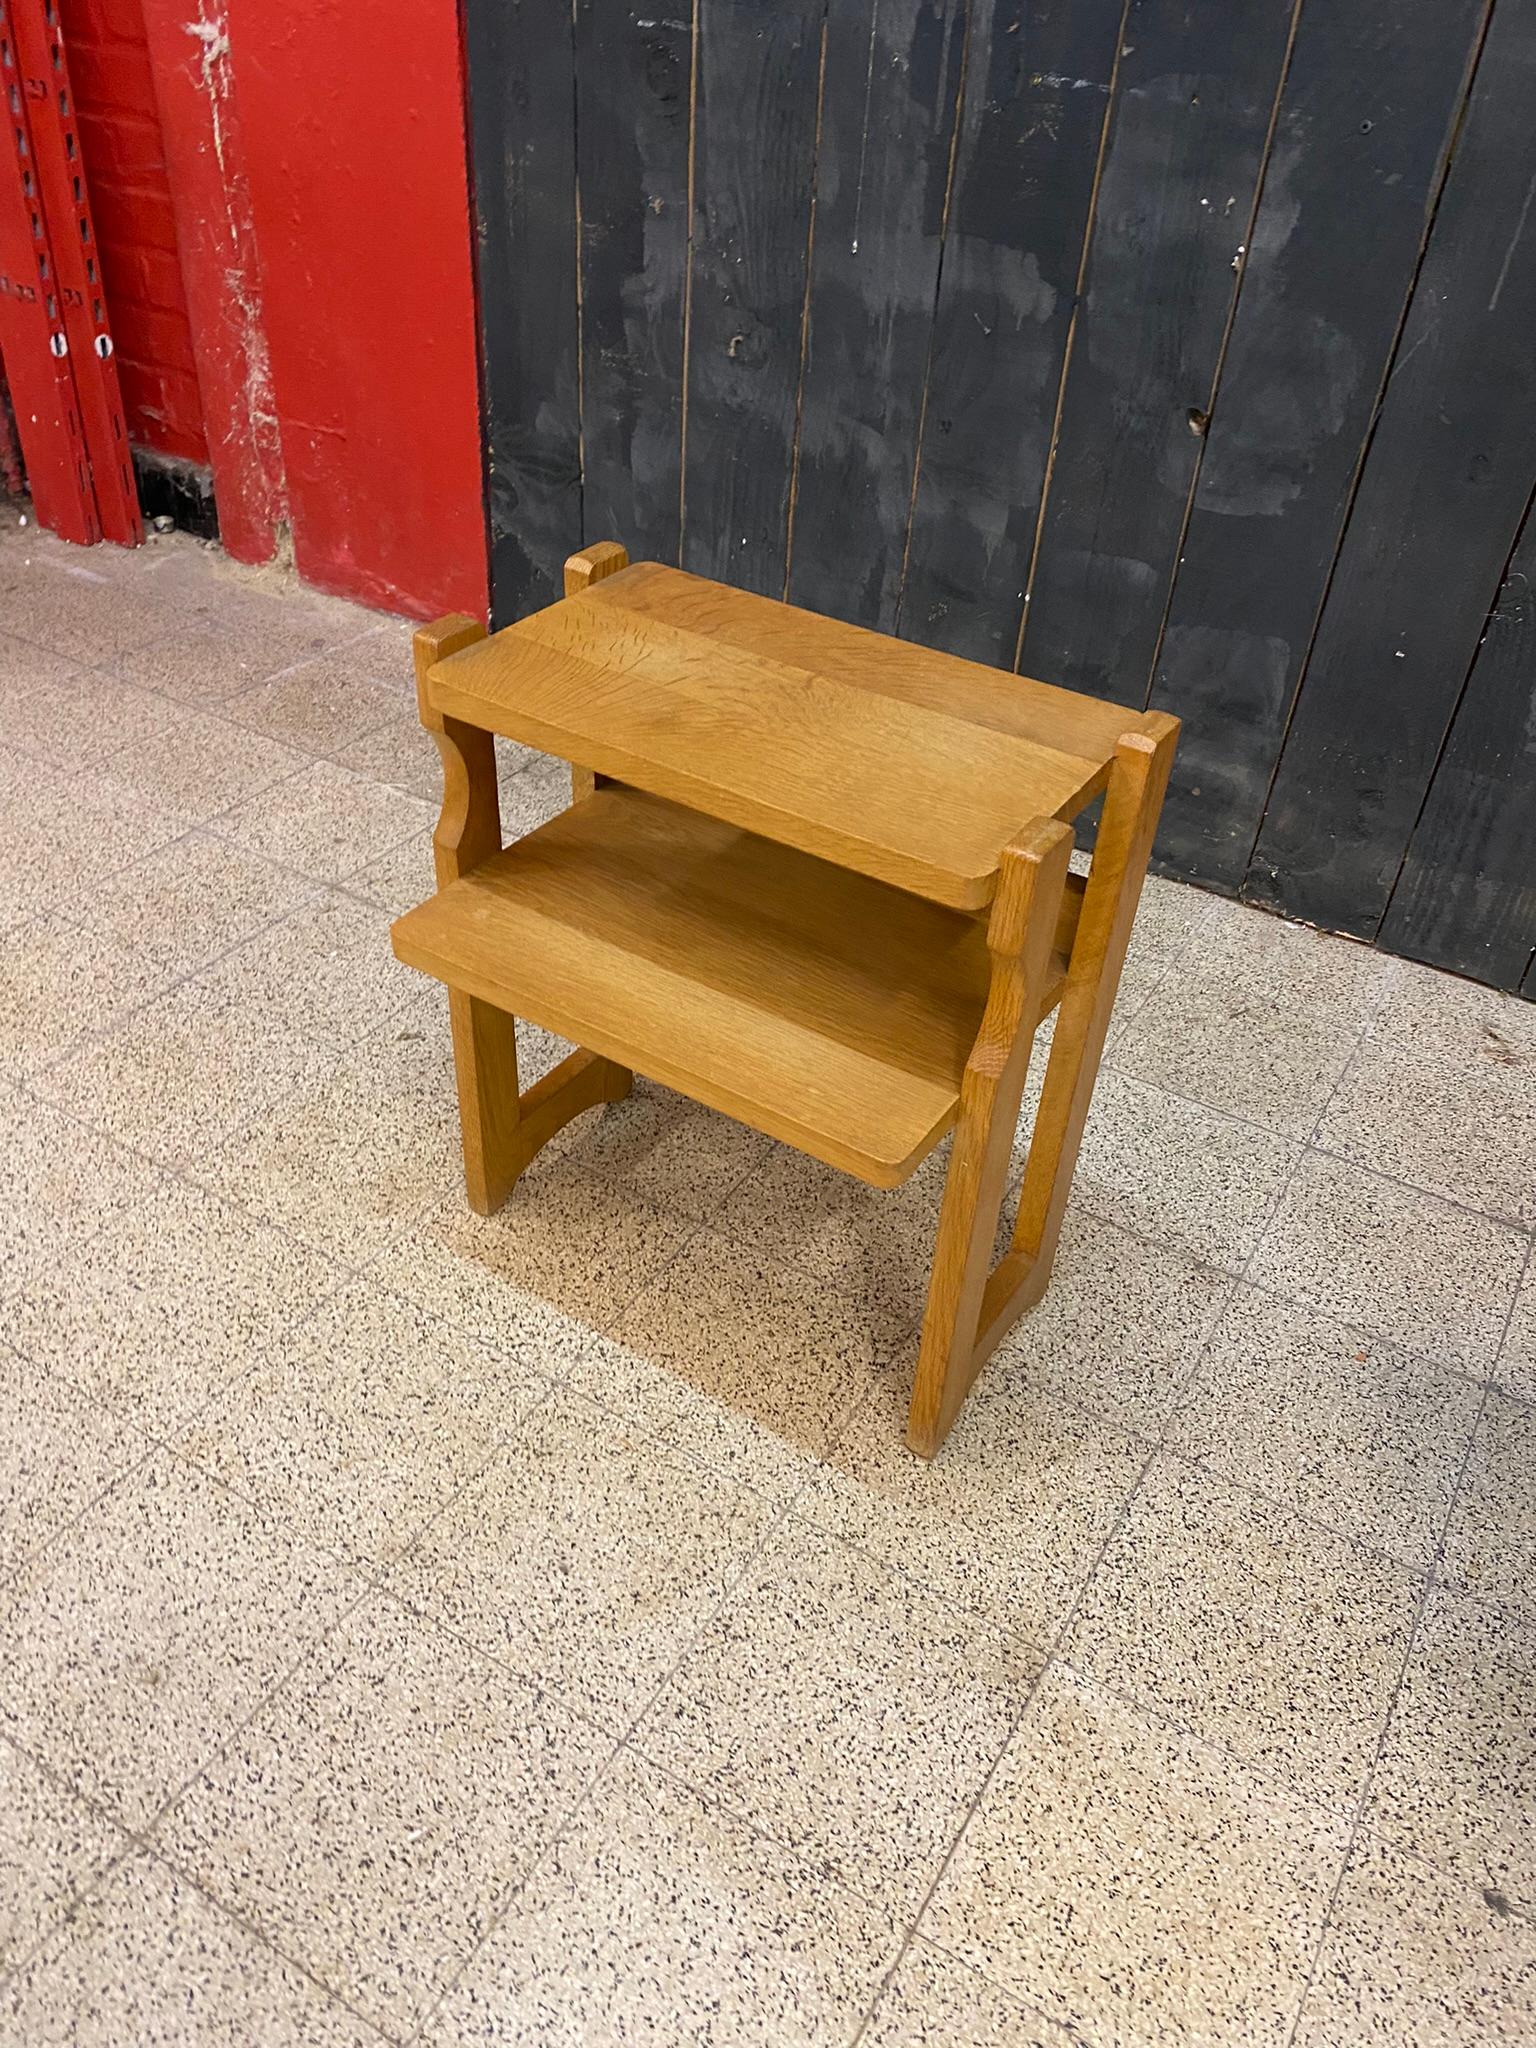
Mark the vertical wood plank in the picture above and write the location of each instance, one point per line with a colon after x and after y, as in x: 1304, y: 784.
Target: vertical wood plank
x: 755, y: 117
x: 1037, y: 86
x: 1466, y: 898
x: 1440, y: 501
x: 1196, y: 98
x: 523, y: 152
x: 633, y: 75
x: 1366, y: 119
x: 889, y: 104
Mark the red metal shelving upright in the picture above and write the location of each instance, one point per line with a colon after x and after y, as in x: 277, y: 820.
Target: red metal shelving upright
x: 55, y: 337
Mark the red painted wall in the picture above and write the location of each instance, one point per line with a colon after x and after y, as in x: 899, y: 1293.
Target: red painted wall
x: 135, y: 225
x: 281, y: 198
x: 351, y: 129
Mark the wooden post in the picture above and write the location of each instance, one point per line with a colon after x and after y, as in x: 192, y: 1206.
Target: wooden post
x: 603, y: 558
x: 1132, y: 803
x: 468, y: 832
x: 501, y: 1129
x: 1031, y: 879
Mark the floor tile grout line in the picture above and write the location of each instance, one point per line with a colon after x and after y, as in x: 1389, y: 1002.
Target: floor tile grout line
x: 1159, y: 1442
x: 159, y: 1439
x: 1350, y: 1538
x: 532, y: 767
x: 173, y: 807
x: 378, y: 1573
x: 330, y: 1054
x: 1050, y: 1662
x: 313, y: 660
x: 17, y: 1966
x: 1492, y: 1611
x: 1381, y: 1339
x: 1288, y: 1182
x: 254, y: 1931
x: 1504, y: 1219
x: 95, y: 1041
x: 1244, y: 1276
x: 1055, y: 1651
x: 783, y: 1514
x: 204, y: 702
x: 333, y: 1061
x: 1056, y: 1658
x: 1450, y: 1877
x: 621, y: 1744
x: 421, y: 830
x: 1267, y: 1786
x: 189, y: 828
x: 1262, y: 1228
x: 1362, y: 1807
x: 164, y: 846
x: 181, y: 1178
x: 136, y: 1838
x: 1527, y: 1277
x: 1077, y: 1402
x: 114, y: 874
x: 218, y: 1194
x: 218, y: 1190
x: 1431, y: 1582
x: 140, y: 1837
x: 1270, y: 1780
x: 611, y: 1334
x: 374, y: 1587
x: 35, y: 1560
x: 377, y: 1583
x: 138, y: 1842
x: 1435, y: 1570
x: 780, y: 1512
x: 1309, y: 1144
x: 222, y: 1193
x: 1367, y: 1785
x: 1090, y: 1682
x: 176, y: 980
x: 290, y: 1668
x: 813, y: 1857
x: 308, y: 759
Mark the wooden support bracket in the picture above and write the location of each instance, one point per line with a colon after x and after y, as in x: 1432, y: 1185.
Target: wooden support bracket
x: 970, y: 1311
x: 502, y: 1128
x: 1020, y: 933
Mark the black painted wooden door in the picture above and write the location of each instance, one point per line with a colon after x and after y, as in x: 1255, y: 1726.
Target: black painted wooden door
x: 1182, y: 353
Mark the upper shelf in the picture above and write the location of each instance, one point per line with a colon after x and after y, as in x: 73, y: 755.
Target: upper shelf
x: 912, y: 767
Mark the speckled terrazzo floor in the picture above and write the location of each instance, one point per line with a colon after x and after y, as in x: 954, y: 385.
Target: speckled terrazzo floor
x: 421, y: 1629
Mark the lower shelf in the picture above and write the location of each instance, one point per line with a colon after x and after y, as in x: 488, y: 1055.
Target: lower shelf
x: 819, y: 1006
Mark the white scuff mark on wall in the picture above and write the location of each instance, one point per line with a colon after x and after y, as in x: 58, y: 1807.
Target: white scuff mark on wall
x: 1059, y: 79
x: 210, y: 30
x: 1514, y: 240
x: 214, y: 37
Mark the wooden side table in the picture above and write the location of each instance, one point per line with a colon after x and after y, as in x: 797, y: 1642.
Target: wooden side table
x: 811, y: 876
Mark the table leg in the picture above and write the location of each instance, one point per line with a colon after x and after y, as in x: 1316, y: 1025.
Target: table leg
x: 1020, y: 933
x: 502, y: 1129
x: 1132, y: 804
